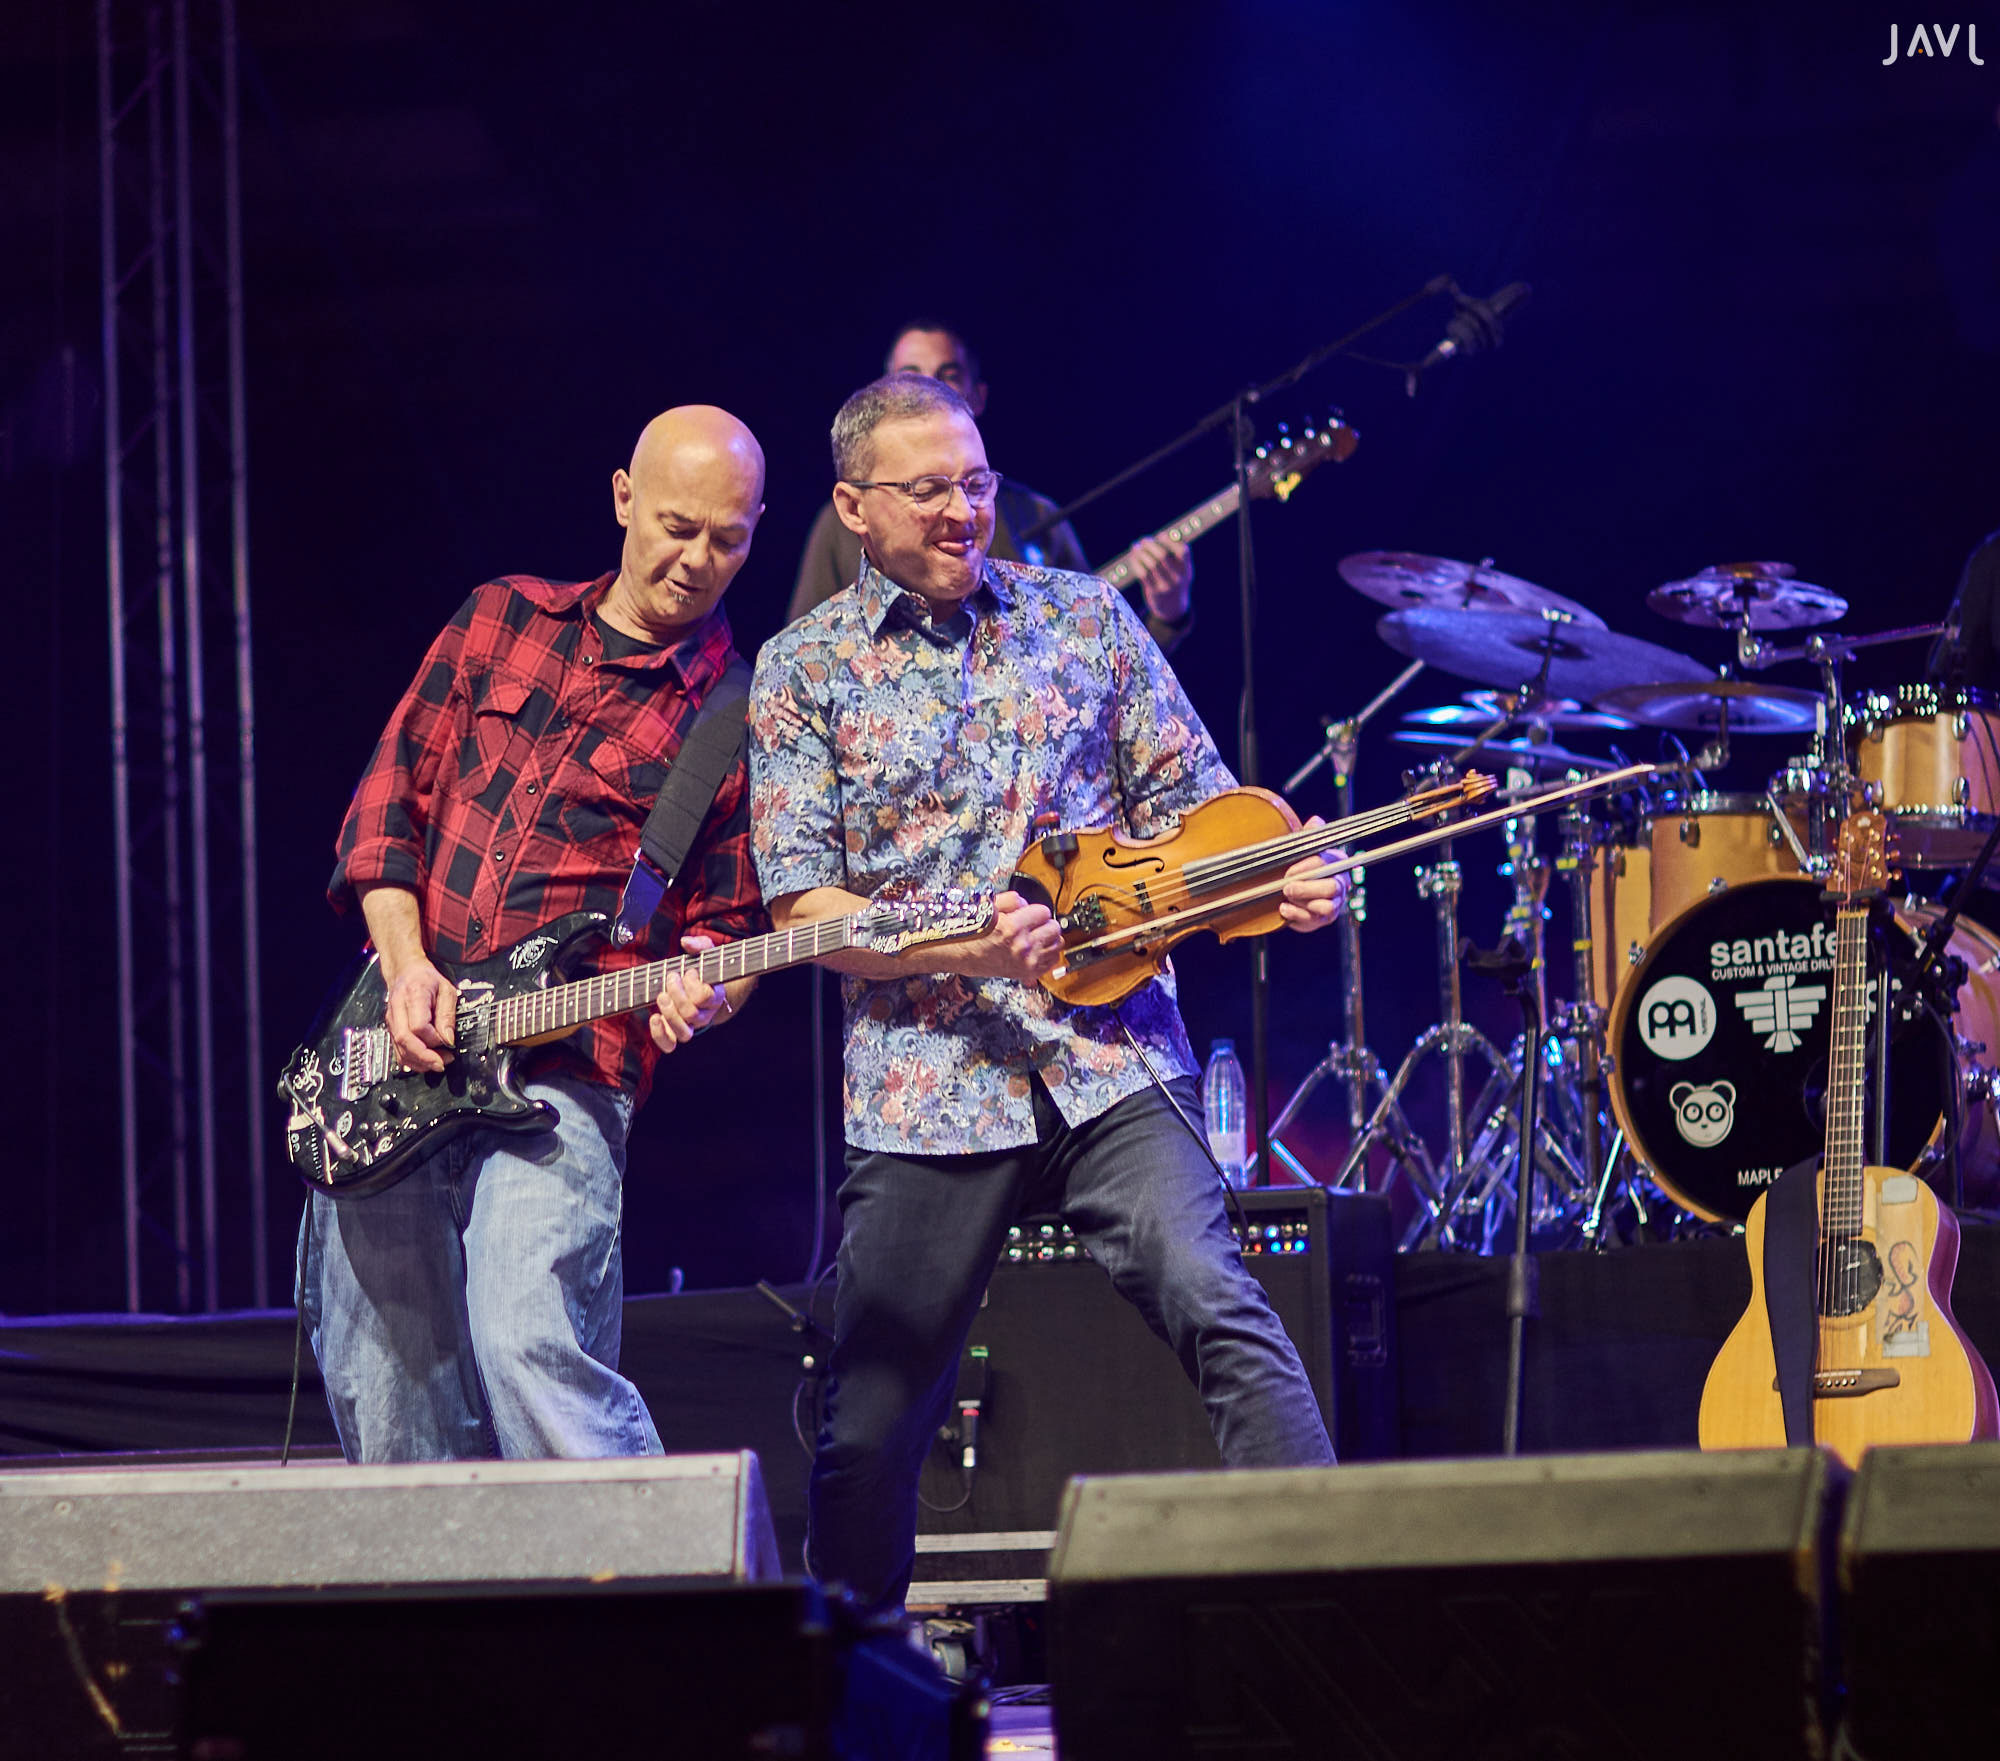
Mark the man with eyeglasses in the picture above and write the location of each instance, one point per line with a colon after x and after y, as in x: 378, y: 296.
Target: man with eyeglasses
x: 1162, y: 572
x: 915, y: 734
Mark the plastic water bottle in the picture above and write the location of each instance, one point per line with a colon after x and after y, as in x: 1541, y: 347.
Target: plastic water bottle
x: 1225, y: 1103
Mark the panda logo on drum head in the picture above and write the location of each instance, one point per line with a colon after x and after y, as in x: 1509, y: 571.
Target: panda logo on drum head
x: 1703, y: 1114
x: 1676, y: 1018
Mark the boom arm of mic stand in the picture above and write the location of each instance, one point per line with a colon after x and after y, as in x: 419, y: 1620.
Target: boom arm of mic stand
x: 1225, y: 414
x: 1344, y: 733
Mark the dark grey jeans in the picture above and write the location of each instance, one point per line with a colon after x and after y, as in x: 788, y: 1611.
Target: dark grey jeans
x: 920, y: 1237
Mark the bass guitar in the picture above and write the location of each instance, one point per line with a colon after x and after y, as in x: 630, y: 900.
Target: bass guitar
x: 359, y: 1120
x: 1889, y: 1363
x: 1274, y: 471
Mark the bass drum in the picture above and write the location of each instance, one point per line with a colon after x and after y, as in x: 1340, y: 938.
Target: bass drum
x: 1719, y: 1043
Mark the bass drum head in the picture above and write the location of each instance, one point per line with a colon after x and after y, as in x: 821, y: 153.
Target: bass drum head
x: 1719, y: 1041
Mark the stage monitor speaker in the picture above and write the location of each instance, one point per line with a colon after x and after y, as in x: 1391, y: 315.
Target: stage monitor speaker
x: 1657, y: 1604
x: 618, y: 1672
x: 96, y: 1563
x: 1075, y: 1382
x: 1920, y: 1593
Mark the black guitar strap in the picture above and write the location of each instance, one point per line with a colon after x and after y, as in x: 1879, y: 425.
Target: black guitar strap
x: 712, y: 745
x: 1791, y: 1262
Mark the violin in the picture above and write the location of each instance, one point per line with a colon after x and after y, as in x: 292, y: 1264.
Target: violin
x: 1122, y: 903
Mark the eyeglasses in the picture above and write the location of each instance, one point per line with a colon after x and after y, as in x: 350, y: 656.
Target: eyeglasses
x: 981, y: 487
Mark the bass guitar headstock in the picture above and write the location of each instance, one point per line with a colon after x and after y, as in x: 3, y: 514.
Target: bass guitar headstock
x: 888, y: 926
x: 1278, y: 469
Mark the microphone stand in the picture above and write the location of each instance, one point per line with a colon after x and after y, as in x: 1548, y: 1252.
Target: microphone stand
x: 1509, y: 963
x: 1234, y: 413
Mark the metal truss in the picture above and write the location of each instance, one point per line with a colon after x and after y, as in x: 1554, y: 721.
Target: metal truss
x: 182, y: 714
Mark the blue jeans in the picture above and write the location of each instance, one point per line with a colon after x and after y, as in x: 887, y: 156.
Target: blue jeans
x: 920, y: 1237
x: 475, y: 1308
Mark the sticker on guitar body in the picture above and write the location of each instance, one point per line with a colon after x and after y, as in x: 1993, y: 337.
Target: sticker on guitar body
x: 1899, y: 1317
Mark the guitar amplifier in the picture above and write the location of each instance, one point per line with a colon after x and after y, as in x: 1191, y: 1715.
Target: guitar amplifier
x: 1075, y: 1382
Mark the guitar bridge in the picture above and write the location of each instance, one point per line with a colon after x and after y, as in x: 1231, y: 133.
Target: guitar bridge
x: 1845, y: 1384
x: 366, y: 1058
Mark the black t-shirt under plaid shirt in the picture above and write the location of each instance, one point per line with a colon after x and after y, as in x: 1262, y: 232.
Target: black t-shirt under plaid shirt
x: 511, y: 784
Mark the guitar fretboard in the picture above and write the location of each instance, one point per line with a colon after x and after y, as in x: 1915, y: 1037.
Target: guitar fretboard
x: 535, y: 1014
x: 1191, y: 525
x: 1840, y: 1209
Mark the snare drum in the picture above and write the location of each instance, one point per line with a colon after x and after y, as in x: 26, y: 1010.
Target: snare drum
x: 1928, y: 753
x: 1720, y: 1037
x: 1706, y: 842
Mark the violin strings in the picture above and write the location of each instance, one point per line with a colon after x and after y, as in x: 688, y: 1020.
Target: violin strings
x: 1205, y: 873
x: 1109, y: 940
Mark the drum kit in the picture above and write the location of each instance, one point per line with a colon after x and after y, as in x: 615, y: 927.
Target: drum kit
x: 1687, y: 1069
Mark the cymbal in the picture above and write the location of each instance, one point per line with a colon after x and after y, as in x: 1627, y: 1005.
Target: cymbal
x: 1406, y: 578
x: 1756, y: 596
x: 1754, y: 707
x: 1481, y: 709
x: 1505, y: 648
x: 1520, y: 754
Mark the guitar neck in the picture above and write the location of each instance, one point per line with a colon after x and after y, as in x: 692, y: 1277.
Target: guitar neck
x: 1847, y: 1069
x: 533, y: 1015
x: 1119, y: 570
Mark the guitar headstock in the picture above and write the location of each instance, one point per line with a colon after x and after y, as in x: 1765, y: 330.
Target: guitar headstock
x: 1468, y: 791
x: 1867, y: 856
x: 889, y: 926
x: 1279, y: 469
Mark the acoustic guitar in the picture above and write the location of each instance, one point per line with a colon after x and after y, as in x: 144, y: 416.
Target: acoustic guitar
x: 1889, y: 1363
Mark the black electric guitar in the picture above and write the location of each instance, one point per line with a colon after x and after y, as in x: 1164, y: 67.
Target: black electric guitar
x: 359, y: 1120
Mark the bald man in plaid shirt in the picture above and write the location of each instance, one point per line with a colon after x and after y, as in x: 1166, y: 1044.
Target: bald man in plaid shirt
x: 473, y: 1309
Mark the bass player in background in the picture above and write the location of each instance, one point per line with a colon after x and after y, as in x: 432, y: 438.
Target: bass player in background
x: 1162, y: 571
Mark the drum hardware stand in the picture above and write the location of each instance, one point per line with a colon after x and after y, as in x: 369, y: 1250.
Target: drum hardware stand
x: 1935, y: 983
x: 1754, y: 652
x: 1348, y: 1059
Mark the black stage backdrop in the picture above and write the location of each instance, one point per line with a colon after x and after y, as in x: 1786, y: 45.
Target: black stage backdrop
x: 486, y: 242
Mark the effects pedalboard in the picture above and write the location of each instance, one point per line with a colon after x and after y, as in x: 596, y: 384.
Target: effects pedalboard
x: 1266, y: 1231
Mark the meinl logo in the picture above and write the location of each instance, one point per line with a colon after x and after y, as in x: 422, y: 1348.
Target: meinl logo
x: 1935, y: 43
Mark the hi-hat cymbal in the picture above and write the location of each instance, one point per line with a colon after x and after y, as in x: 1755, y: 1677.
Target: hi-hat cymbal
x: 1754, y: 596
x: 1480, y: 709
x: 1752, y: 706
x: 1535, y: 755
x: 1505, y: 648
x: 1406, y: 578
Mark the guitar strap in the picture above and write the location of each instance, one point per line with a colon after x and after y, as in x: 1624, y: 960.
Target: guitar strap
x: 1791, y: 1260
x: 712, y: 745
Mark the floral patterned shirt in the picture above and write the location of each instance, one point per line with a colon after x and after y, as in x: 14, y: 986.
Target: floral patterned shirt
x: 890, y: 752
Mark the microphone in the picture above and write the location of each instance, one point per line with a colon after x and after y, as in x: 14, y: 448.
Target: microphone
x: 1476, y: 325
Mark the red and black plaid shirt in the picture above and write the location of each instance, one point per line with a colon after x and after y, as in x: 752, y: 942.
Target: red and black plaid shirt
x: 512, y: 782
